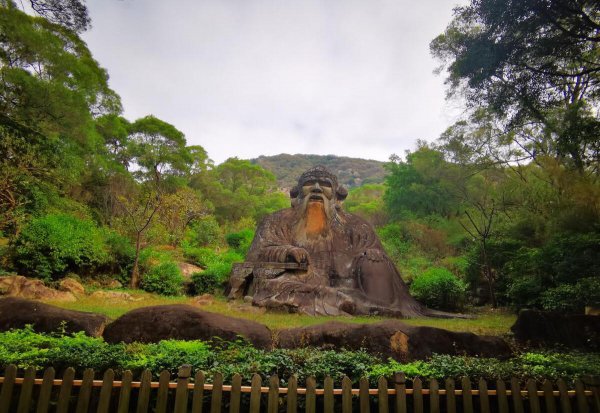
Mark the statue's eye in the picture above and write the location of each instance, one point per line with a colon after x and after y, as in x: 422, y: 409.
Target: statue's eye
x: 325, y: 184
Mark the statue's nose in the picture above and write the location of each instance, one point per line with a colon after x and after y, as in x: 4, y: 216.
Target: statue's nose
x: 317, y: 188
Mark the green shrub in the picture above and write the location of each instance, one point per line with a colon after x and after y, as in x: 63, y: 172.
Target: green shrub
x: 572, y: 297
x: 121, y: 256
x: 200, y: 256
x: 240, y: 241
x: 166, y: 355
x: 439, y: 288
x: 206, y: 282
x: 164, y: 279
x: 524, y: 292
x: 50, y: 246
x: 219, y: 270
x: 206, y: 231
x: 221, y: 267
x: 26, y: 348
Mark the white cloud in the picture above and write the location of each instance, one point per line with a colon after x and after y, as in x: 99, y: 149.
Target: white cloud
x: 245, y: 78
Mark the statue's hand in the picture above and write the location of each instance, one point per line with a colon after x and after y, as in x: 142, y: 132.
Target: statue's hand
x: 375, y: 255
x: 296, y: 254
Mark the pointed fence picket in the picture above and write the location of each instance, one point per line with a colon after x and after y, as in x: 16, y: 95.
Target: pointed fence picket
x: 29, y: 391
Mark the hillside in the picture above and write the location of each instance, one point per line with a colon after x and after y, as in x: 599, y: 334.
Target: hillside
x: 351, y: 172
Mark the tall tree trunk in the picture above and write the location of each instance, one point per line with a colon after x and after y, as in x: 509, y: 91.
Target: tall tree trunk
x: 135, y: 273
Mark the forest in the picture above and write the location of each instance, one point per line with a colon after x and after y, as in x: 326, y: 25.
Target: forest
x: 503, y: 209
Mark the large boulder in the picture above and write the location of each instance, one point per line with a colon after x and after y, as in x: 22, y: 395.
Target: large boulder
x: 183, y: 322
x: 71, y: 285
x: 18, y: 312
x: 31, y: 288
x: 394, y: 339
x: 539, y: 328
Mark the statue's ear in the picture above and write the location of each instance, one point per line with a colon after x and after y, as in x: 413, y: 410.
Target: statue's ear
x: 342, y: 193
x: 294, y: 192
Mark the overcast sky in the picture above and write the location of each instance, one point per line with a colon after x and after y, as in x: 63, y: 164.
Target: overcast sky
x: 261, y: 77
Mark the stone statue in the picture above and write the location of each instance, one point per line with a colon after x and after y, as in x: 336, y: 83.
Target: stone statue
x: 317, y: 259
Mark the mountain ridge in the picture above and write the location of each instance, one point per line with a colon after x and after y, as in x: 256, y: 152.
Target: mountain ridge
x: 351, y: 172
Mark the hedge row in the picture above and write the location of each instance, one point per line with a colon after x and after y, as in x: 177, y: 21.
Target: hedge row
x: 26, y: 348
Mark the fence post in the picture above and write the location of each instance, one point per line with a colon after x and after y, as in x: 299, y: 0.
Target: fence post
x: 273, y: 400
x: 450, y: 396
x: 565, y: 402
x: 346, y: 395
x: 328, y: 395
x: 501, y: 395
x: 363, y: 395
x: 64, y: 397
x: 107, y: 386
x: 125, y: 393
x: 311, y: 398
x: 236, y: 394
x: 517, y: 399
x: 292, y: 396
x: 417, y: 395
x: 26, y: 391
x: 434, y: 396
x: 163, y: 391
x: 198, y: 397
x: 255, y: 394
x: 594, y: 383
x: 400, y: 385
x: 181, y: 393
x: 549, y: 401
x: 382, y: 395
x: 45, y: 391
x: 144, y: 393
x: 467, y: 396
x: 534, y: 401
x: 7, y: 387
x: 217, y: 393
x: 85, y: 391
x: 484, y: 397
x: 582, y: 404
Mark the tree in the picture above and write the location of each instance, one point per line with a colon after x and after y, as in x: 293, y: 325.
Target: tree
x: 72, y: 14
x: 239, y: 189
x: 158, y: 152
x: 179, y: 210
x: 50, y: 91
x: 536, y: 66
x: 418, y: 186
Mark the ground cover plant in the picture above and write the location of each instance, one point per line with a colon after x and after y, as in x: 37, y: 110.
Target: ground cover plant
x: 26, y: 348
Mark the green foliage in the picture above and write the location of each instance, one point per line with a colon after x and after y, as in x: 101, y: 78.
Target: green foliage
x: 200, y: 256
x: 366, y: 201
x: 121, y: 255
x: 206, y: 282
x: 164, y: 279
x: 166, y: 355
x: 206, y: 232
x: 26, y: 348
x: 239, y: 189
x: 419, y: 185
x: 240, y: 241
x: 50, y: 246
x: 572, y: 298
x: 219, y: 270
x: 439, y: 288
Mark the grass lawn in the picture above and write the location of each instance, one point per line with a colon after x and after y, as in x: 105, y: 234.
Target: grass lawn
x: 492, y: 322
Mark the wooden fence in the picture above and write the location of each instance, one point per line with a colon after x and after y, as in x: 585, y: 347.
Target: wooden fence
x: 192, y: 394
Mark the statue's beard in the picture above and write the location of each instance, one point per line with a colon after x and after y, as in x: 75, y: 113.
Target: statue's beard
x: 316, y: 219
